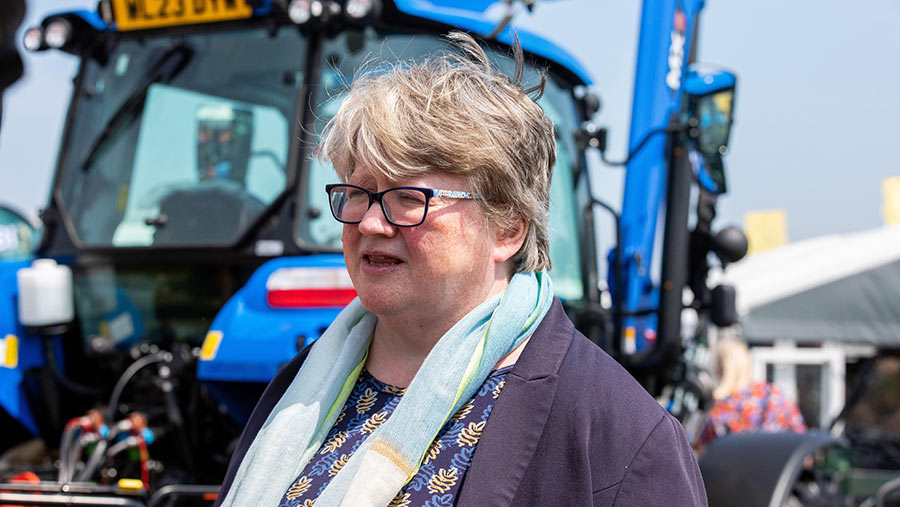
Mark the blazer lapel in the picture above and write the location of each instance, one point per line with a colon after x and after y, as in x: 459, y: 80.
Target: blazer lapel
x: 514, y: 429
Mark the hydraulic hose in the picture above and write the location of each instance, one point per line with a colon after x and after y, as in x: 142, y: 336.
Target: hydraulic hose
x: 128, y: 443
x: 96, y: 457
x: 65, y: 443
x: 176, y: 418
x: 124, y: 379
x: 83, y: 440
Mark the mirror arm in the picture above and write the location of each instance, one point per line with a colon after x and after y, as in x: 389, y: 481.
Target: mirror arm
x: 671, y: 128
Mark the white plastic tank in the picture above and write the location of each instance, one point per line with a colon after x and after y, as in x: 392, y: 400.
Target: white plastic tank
x: 45, y: 294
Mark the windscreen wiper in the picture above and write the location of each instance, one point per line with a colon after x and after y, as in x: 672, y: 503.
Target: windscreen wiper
x: 164, y: 69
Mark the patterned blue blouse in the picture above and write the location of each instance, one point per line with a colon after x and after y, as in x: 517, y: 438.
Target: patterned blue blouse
x: 370, y: 404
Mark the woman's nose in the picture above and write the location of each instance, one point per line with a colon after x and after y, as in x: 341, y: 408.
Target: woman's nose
x: 374, y: 222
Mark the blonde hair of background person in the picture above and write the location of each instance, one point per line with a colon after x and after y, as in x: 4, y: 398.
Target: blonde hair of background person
x: 732, y: 367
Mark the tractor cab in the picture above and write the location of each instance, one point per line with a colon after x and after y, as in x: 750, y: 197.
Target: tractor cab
x: 188, y: 157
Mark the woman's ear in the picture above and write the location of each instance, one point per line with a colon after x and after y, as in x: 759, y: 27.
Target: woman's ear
x: 508, y: 241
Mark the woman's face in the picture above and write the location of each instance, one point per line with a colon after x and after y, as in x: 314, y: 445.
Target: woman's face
x: 442, y: 268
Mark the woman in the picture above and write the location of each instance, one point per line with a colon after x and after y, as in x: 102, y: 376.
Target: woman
x: 742, y: 405
x: 455, y: 378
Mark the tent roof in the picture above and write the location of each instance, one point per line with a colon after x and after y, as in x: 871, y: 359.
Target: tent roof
x: 840, y: 287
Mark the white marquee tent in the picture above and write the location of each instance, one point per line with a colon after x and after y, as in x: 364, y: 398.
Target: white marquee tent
x: 840, y: 288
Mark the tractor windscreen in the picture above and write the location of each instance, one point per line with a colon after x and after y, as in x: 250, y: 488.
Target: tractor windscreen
x: 181, y: 140
x: 344, y: 54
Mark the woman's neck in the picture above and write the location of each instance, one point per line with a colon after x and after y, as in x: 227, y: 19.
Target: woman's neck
x: 401, y: 342
x: 400, y: 346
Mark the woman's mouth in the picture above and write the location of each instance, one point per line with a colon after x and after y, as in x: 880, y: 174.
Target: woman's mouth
x: 381, y: 261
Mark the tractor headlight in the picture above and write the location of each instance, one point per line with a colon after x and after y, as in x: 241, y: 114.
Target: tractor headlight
x: 301, y: 11
x: 58, y: 33
x: 358, y: 9
x: 33, y: 40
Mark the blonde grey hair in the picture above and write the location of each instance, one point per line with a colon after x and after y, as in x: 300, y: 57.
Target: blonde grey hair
x: 457, y: 114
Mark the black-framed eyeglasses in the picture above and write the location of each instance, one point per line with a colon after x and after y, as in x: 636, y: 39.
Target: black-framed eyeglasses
x: 402, y: 206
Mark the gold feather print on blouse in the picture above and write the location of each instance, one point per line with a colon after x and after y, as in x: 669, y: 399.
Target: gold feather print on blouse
x: 432, y: 451
x: 373, y: 423
x: 463, y: 411
x: 394, y: 390
x: 338, y: 465
x: 470, y: 434
x: 496, y: 391
x: 337, y: 441
x: 442, y: 481
x: 366, y: 401
x: 298, y: 488
x: 401, y: 500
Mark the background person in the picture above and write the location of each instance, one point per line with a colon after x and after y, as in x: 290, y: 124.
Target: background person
x: 455, y: 378
x: 742, y: 404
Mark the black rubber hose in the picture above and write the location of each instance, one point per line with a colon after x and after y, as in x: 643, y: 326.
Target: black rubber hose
x: 94, y: 461
x: 176, y: 418
x: 123, y: 381
x: 64, y: 445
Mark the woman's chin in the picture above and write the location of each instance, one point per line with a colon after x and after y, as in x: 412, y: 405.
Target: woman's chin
x: 382, y: 302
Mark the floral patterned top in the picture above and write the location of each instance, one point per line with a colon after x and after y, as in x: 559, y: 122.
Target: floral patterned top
x: 370, y: 404
x: 761, y: 407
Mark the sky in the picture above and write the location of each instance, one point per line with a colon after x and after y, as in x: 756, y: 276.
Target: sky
x: 815, y: 116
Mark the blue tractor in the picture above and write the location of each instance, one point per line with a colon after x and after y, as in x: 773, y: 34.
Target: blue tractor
x: 188, y: 229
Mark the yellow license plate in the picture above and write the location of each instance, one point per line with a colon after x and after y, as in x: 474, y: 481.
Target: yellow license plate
x: 143, y: 14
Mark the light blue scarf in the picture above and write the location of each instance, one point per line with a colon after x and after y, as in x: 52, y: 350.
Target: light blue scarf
x: 451, y: 374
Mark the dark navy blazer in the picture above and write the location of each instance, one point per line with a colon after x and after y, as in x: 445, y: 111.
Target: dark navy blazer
x: 571, y: 427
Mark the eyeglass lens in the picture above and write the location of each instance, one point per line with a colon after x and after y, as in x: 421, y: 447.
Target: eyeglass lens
x: 401, y: 206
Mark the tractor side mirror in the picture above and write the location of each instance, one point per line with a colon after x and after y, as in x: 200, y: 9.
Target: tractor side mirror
x: 730, y: 244
x: 724, y: 307
x: 709, y: 95
x: 18, y: 238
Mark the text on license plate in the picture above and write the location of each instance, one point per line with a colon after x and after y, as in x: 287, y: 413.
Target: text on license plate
x: 143, y: 14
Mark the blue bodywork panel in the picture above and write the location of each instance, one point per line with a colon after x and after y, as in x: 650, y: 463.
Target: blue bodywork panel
x: 29, y: 354
x: 91, y: 17
x: 256, y: 339
x: 705, y: 80
x: 467, y: 15
x: 663, y: 46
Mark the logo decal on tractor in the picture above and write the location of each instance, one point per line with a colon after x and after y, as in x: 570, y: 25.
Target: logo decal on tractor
x: 676, y: 50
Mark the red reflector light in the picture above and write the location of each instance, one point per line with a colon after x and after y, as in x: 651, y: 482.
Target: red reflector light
x: 309, y: 298
x: 313, y: 287
x: 210, y: 497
